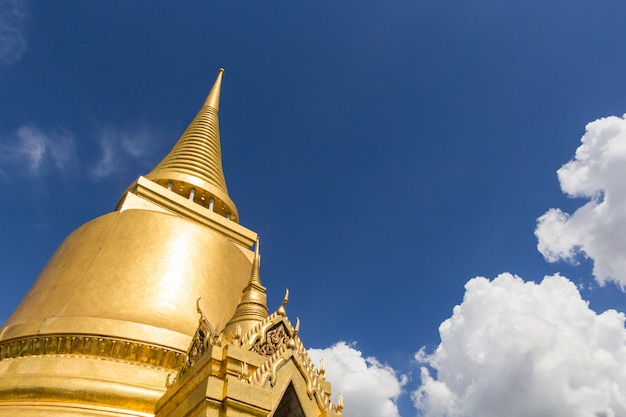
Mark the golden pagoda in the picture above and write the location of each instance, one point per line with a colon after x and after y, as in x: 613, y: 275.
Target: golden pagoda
x: 125, y: 318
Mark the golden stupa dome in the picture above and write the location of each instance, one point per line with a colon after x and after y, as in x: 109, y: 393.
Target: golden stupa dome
x: 114, y: 310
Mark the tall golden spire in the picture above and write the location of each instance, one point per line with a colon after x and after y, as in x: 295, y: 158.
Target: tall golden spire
x: 193, y: 168
x: 112, y: 316
x: 252, y: 307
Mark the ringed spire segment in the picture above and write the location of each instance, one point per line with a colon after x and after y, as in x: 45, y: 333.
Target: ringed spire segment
x: 252, y: 307
x: 193, y: 168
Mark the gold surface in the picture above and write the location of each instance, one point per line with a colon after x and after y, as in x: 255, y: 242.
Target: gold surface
x: 269, y: 374
x: 156, y: 198
x: 114, y: 310
x: 195, y: 161
x: 78, y: 383
x: 110, y: 327
x: 92, y: 346
x: 252, y: 307
x: 137, y: 266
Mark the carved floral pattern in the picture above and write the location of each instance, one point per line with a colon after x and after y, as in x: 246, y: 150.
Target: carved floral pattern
x: 284, y: 348
x: 205, y: 336
x: 274, y: 340
x: 94, y: 346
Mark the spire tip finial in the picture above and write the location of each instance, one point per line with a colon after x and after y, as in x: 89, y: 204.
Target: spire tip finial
x: 255, y: 276
x: 213, y: 100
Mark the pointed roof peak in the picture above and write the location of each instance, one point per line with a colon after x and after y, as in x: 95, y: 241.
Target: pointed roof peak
x: 255, y: 290
x: 255, y: 276
x: 193, y: 168
x: 252, y: 307
x: 213, y: 99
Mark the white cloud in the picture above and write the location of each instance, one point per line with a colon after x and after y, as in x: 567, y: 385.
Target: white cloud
x: 35, y: 152
x: 515, y: 348
x: 597, y: 229
x: 12, y: 42
x: 107, y: 163
x: 119, y: 147
x: 369, y: 388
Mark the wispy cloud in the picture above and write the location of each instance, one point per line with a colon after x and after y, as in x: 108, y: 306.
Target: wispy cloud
x: 597, y: 230
x: 13, y: 15
x: 119, y: 147
x: 520, y: 349
x: 32, y: 151
x: 369, y: 388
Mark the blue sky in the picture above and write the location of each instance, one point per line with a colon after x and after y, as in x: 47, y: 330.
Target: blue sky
x: 387, y: 152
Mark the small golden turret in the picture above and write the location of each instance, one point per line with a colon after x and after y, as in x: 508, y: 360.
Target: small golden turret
x: 193, y: 168
x: 252, y: 307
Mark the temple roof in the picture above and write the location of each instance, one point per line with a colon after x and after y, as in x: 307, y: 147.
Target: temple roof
x: 193, y: 168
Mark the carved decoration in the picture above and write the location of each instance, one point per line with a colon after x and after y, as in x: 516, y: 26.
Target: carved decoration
x: 280, y: 343
x: 311, y: 374
x: 277, y: 339
x: 268, y: 370
x: 204, y: 337
x: 257, y: 333
x: 92, y: 346
x: 339, y: 407
x: 274, y: 340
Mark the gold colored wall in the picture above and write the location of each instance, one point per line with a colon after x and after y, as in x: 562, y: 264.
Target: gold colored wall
x: 136, y: 266
x: 113, y: 311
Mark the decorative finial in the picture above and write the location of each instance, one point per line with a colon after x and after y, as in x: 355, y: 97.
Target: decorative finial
x: 244, y: 371
x: 213, y: 99
x: 281, y: 309
x: 252, y: 307
x: 236, y: 339
x: 169, y: 381
x: 292, y: 342
x: 339, y: 404
x: 255, y: 276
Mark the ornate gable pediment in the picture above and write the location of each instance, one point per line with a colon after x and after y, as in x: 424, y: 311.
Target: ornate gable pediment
x: 262, y: 371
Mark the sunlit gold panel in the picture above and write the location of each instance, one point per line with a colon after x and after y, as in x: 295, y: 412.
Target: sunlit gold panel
x: 135, y: 267
x: 73, y: 385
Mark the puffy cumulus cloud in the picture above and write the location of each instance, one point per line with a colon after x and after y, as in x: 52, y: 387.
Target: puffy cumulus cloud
x: 13, y: 15
x: 369, y: 388
x: 33, y: 151
x: 597, y: 229
x: 515, y: 348
x: 119, y: 147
